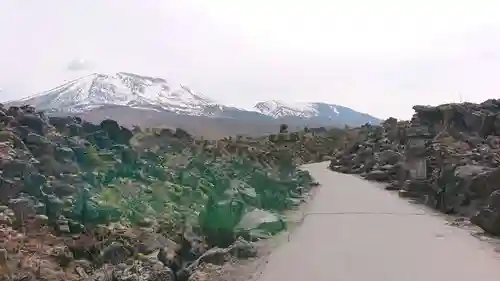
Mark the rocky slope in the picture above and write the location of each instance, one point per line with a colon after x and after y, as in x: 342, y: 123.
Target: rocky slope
x: 132, y: 94
x: 446, y: 156
x: 81, y: 201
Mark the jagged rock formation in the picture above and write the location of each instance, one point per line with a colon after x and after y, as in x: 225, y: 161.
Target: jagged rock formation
x: 80, y: 201
x: 446, y: 156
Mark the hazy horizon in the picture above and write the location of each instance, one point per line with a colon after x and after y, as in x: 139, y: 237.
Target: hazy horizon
x: 374, y: 57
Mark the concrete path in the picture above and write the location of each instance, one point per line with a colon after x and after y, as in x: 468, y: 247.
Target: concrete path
x: 356, y: 231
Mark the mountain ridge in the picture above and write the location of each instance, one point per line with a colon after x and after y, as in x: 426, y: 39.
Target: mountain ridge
x: 121, y: 88
x: 124, y: 92
x: 314, y: 110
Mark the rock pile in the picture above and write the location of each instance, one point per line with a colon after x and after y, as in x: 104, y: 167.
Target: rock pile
x: 80, y: 201
x: 447, y: 156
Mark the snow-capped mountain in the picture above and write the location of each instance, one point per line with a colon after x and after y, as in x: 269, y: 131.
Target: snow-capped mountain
x: 322, y: 112
x: 123, y: 95
x: 279, y: 109
x: 122, y: 89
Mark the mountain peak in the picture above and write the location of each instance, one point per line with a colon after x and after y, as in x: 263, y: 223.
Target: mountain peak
x: 277, y: 109
x: 319, y: 111
x: 129, y: 91
x: 120, y: 89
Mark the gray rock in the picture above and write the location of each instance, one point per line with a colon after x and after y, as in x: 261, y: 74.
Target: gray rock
x: 115, y: 253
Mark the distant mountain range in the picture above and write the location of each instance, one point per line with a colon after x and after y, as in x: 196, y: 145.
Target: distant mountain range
x: 151, y: 101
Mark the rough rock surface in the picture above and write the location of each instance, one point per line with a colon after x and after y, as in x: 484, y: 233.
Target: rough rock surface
x: 83, y: 201
x: 446, y: 156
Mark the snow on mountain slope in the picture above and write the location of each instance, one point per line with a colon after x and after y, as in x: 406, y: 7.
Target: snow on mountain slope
x: 277, y: 109
x: 122, y: 89
x: 102, y: 91
x: 313, y: 110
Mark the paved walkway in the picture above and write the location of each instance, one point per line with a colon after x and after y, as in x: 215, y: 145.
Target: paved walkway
x: 358, y: 232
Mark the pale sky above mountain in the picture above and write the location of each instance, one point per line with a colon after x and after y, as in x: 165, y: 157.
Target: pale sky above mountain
x: 379, y: 57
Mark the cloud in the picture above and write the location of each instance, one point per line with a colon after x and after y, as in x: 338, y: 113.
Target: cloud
x: 329, y: 51
x: 79, y: 64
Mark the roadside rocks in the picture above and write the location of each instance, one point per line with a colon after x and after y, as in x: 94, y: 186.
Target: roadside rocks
x: 384, y: 173
x: 83, y: 201
x: 446, y: 156
x: 160, y: 268
x: 488, y: 218
x: 144, y: 270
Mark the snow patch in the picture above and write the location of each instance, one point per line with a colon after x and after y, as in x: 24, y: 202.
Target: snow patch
x: 278, y: 109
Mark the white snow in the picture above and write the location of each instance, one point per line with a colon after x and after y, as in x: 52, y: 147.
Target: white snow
x: 277, y: 109
x: 124, y: 89
x: 153, y: 93
x: 334, y: 108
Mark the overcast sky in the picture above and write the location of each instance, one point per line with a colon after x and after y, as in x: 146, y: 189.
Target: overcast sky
x: 379, y: 57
